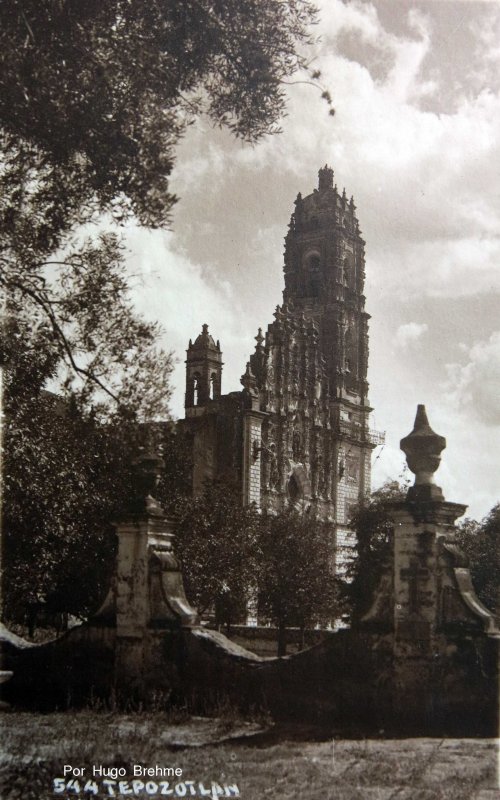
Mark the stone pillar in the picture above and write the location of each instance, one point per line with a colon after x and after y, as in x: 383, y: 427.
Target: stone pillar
x: 435, y: 609
x: 147, y: 601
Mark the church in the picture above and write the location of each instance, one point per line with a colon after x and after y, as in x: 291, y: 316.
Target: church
x: 298, y: 432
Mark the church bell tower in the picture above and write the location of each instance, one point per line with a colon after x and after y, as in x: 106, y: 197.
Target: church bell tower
x: 298, y: 434
x: 203, y: 371
x: 324, y: 279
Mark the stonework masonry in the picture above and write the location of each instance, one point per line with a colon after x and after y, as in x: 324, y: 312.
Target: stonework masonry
x: 298, y: 433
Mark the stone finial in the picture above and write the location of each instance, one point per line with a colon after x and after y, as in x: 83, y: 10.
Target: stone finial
x: 146, y: 472
x: 259, y: 339
x: 422, y: 448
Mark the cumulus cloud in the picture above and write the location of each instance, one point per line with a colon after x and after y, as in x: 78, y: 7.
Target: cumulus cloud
x: 183, y: 295
x: 425, y: 182
x: 415, y: 139
x: 409, y: 333
x: 474, y: 387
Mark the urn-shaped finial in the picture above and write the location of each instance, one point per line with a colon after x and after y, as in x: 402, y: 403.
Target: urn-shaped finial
x: 146, y: 472
x: 422, y: 448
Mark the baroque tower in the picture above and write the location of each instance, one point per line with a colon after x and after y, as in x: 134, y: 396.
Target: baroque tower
x: 324, y: 280
x: 299, y: 433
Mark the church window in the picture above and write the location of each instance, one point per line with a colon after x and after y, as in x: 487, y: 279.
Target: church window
x: 213, y: 379
x: 196, y: 389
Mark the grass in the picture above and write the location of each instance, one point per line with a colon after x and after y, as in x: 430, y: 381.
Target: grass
x: 35, y: 748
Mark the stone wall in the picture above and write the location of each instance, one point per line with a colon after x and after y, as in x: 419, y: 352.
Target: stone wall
x: 423, y: 661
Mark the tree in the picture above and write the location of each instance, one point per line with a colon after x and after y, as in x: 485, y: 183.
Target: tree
x: 81, y: 332
x: 480, y: 541
x: 95, y: 96
x: 66, y: 455
x: 64, y: 482
x: 373, y: 526
x: 295, y: 576
x: 216, y: 543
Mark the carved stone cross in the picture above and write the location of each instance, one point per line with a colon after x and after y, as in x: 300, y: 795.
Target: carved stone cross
x: 413, y: 575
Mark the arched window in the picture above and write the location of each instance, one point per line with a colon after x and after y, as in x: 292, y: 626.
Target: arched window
x: 196, y: 389
x: 213, y: 380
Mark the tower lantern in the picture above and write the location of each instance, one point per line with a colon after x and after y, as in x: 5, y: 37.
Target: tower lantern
x: 325, y: 176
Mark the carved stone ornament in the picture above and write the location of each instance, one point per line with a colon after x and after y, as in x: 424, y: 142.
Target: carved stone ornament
x: 422, y: 448
x: 146, y: 471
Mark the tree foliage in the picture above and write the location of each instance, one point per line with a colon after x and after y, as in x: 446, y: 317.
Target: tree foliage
x: 480, y: 541
x: 295, y: 576
x: 216, y: 542
x: 63, y: 483
x: 372, y: 524
x: 65, y: 465
x: 94, y: 98
x: 81, y: 333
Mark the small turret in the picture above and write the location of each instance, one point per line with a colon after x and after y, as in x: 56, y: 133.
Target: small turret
x: 203, y: 370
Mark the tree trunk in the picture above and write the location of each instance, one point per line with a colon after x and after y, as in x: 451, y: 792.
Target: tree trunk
x: 302, y: 637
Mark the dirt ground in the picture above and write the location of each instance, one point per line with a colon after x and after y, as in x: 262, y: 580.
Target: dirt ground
x: 229, y: 758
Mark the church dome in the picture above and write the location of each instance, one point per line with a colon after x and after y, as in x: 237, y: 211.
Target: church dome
x: 204, y: 341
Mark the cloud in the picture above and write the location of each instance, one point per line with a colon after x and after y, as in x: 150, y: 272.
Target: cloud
x: 425, y: 182
x: 474, y: 387
x: 183, y: 295
x: 415, y: 139
x: 409, y: 333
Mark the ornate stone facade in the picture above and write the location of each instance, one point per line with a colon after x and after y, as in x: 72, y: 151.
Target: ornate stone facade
x: 298, y: 432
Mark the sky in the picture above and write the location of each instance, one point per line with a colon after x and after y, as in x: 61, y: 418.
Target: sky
x: 416, y: 140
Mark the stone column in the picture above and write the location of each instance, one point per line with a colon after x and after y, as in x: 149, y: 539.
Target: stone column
x: 147, y: 600
x: 435, y: 609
